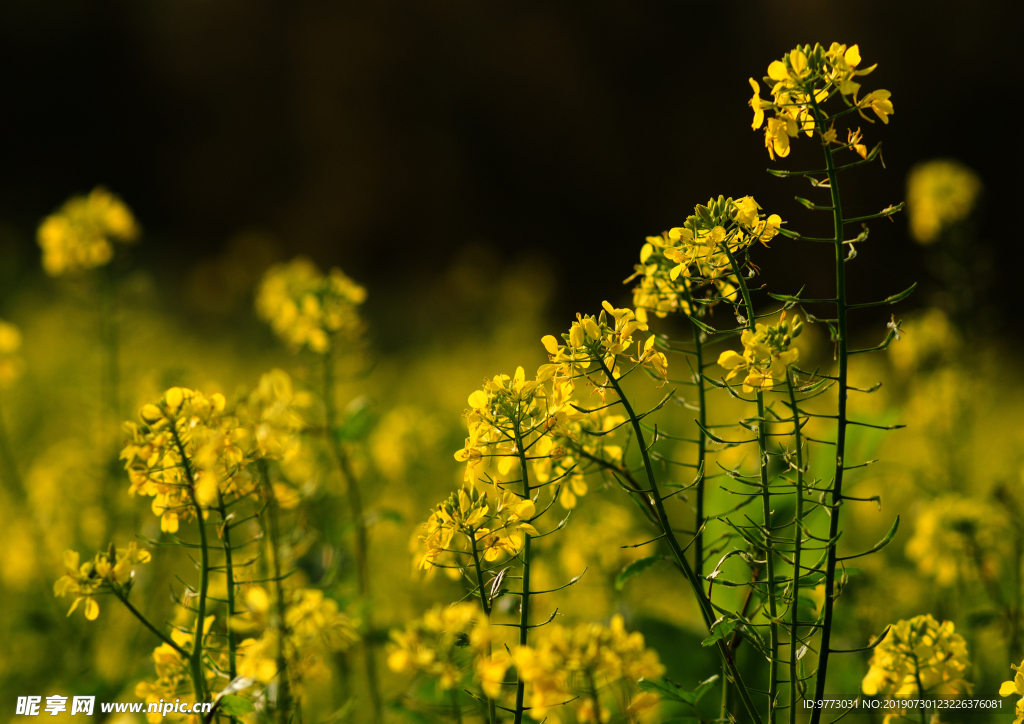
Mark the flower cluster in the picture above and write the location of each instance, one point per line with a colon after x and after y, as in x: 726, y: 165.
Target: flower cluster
x: 580, y: 664
x: 1015, y: 687
x: 508, y: 412
x: 466, y: 525
x: 693, y: 259
x: 593, y: 438
x: 11, y: 364
x: 188, y: 453
x: 114, y: 567
x: 173, y: 676
x: 802, y: 80
x: 82, y: 233
x: 958, y: 538
x: 451, y: 644
x: 919, y: 650
x: 298, y: 641
x: 601, y: 339
x: 939, y: 193
x: 767, y: 352
x: 307, y: 309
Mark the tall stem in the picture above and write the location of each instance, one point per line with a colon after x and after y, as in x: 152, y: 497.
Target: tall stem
x: 842, y: 351
x: 797, y: 546
x: 766, y: 504
x: 355, y: 503
x: 524, y: 611
x: 283, y: 702
x: 706, y: 609
x: 485, y: 601
x: 229, y: 574
x: 196, y: 660
x: 698, y: 346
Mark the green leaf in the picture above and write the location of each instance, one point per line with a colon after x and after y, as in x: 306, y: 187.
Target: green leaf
x: 235, y: 705
x: 701, y: 326
x: 668, y: 689
x: 635, y: 569
x: 719, y: 630
x: 881, y: 544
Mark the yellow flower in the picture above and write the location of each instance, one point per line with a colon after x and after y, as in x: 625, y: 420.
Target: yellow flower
x: 940, y: 193
x: 11, y: 364
x: 918, y: 649
x: 187, y: 451
x: 767, y: 352
x: 307, y: 309
x: 81, y: 234
x: 1015, y: 687
x: 879, y: 102
x: 110, y: 569
x: 802, y: 81
x: 564, y: 662
x: 450, y: 644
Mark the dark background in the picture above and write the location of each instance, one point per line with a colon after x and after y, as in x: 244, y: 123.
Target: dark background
x: 386, y: 136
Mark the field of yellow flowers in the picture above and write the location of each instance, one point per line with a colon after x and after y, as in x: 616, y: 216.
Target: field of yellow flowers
x: 708, y: 500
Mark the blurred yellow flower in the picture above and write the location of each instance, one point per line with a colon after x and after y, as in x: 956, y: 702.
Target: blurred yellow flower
x: 305, y: 308
x: 82, y: 233
x: 919, y: 658
x: 11, y: 364
x: 939, y: 193
x: 581, y: 664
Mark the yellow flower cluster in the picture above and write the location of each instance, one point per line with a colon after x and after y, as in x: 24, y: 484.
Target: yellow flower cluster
x: 85, y: 580
x: 919, y: 658
x: 307, y: 309
x: 188, y: 453
x: 600, y: 339
x: 312, y: 628
x: 581, y: 664
x: 465, y: 525
x: 805, y: 78
x: 767, y: 352
x: 173, y: 676
x: 506, y: 405
x: 586, y: 439
x: 956, y: 536
x: 81, y: 234
x: 939, y: 194
x: 1015, y: 687
x: 11, y: 364
x: 451, y: 644
x: 691, y: 260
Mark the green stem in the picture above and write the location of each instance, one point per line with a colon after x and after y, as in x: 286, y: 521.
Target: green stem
x: 283, y: 702
x: 920, y: 689
x: 196, y: 660
x: 492, y: 711
x: 766, y: 507
x: 145, y: 622
x: 797, y: 533
x: 355, y: 503
x: 698, y: 345
x: 841, y: 345
x: 706, y: 609
x: 524, y: 611
x: 456, y: 709
x: 229, y: 574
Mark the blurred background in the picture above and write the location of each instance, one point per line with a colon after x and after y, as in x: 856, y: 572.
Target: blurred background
x: 487, y: 170
x: 387, y: 137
